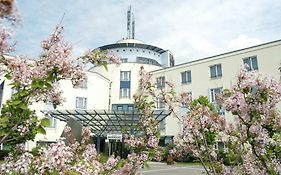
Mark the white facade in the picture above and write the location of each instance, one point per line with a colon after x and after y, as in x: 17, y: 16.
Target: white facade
x: 265, y: 58
x: 95, y: 95
x: 110, y: 89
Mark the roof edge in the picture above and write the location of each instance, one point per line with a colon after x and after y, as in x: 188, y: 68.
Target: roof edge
x: 226, y: 53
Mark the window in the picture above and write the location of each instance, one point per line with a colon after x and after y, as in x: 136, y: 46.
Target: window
x: 130, y: 108
x: 81, y: 103
x: 125, y: 76
x: 159, y: 104
x: 124, y: 93
x: 162, y: 125
x: 125, y: 84
x: 252, y: 63
x: 53, y: 122
x: 219, y: 146
x: 49, y: 107
x: 172, y: 61
x: 186, y: 77
x: 215, y: 71
x: 147, y: 61
x: 184, y: 109
x: 123, y: 107
x: 124, y: 60
x: 160, y: 82
x: 213, y: 93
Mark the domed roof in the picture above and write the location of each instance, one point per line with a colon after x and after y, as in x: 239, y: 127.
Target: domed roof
x: 130, y: 41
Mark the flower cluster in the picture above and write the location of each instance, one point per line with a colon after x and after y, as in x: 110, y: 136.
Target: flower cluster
x: 201, y: 128
x: 58, y: 157
x: 24, y: 128
x: 251, y: 142
x: 134, y: 142
x: 184, y: 99
x: 152, y: 141
x: 113, y: 58
x: 5, y: 37
x: 99, y: 57
x: 9, y: 11
x: 253, y: 103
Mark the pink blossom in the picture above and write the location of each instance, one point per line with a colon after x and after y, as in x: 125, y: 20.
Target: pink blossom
x: 86, y: 134
x: 152, y: 141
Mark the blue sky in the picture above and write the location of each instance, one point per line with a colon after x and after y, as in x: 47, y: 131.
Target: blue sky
x: 190, y: 29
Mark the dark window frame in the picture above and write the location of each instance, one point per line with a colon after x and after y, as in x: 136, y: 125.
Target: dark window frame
x: 186, y: 77
x: 252, y: 63
x: 84, y: 103
x: 160, y: 82
x: 215, y: 71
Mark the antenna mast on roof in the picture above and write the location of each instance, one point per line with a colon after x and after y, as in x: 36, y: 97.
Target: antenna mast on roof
x: 130, y: 24
x: 133, y: 27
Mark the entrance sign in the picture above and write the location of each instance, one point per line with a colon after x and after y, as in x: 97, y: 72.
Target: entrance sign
x: 114, y: 136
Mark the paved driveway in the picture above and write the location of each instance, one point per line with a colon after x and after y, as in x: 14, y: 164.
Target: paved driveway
x: 157, y: 168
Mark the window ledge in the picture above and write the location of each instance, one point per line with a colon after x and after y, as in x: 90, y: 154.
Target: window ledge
x: 186, y: 83
x: 214, y: 78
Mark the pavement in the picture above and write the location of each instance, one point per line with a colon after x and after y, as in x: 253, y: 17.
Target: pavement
x: 158, y: 168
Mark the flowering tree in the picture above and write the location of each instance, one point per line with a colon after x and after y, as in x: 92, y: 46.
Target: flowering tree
x: 82, y: 158
x: 201, y: 128
x: 257, y: 124
x: 37, y: 80
x: 252, y: 141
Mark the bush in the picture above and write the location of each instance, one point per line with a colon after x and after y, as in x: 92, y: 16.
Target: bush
x: 185, y: 157
x: 3, y: 154
x: 229, y: 159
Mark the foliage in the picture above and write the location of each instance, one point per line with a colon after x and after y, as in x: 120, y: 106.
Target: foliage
x: 202, y: 100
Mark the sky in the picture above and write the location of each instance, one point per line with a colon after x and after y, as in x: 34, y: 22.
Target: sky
x: 190, y: 29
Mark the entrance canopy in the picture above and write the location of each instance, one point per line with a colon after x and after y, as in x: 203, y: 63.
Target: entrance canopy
x: 103, y: 122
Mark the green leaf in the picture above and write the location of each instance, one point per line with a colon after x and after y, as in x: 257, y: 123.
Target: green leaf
x: 4, y: 119
x: 105, y: 65
x: 48, y: 85
x: 2, y: 132
x: 8, y: 76
x: 41, y: 130
x: 23, y: 106
x: 45, y: 122
x: 16, y: 102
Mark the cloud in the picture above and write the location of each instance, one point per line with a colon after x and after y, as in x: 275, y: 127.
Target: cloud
x: 243, y: 41
x: 190, y: 29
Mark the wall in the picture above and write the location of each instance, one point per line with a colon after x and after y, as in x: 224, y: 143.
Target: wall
x: 268, y: 56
